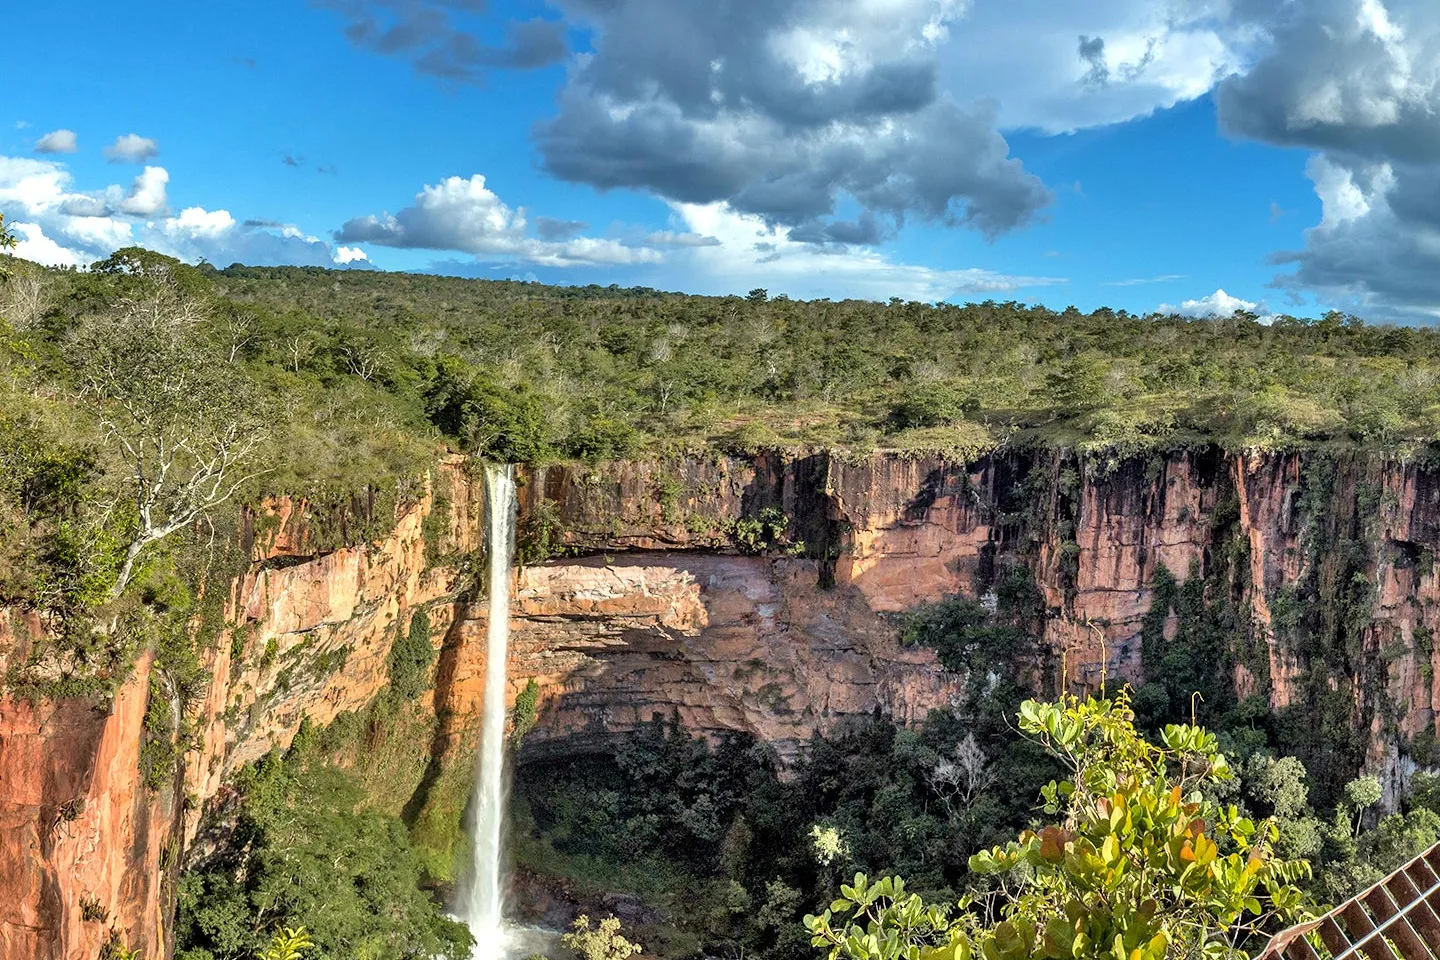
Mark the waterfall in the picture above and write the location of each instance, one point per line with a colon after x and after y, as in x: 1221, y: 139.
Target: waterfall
x: 484, y: 908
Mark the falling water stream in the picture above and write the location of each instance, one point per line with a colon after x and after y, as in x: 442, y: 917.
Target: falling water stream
x: 483, y: 909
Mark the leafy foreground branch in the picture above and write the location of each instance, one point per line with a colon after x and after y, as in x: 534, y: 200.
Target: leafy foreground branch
x: 1143, y: 864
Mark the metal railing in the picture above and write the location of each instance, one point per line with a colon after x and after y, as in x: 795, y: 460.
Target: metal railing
x: 1396, y: 919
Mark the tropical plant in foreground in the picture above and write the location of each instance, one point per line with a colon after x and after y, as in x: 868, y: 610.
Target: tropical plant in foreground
x: 1140, y: 866
x: 287, y: 944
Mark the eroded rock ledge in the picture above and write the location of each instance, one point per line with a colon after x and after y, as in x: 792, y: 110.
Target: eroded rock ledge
x: 740, y: 594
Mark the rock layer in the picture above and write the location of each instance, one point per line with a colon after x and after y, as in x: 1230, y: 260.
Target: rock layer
x: 755, y: 595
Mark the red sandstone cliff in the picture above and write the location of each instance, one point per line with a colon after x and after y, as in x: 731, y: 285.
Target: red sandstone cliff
x: 664, y: 606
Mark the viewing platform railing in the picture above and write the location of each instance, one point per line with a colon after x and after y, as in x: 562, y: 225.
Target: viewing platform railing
x: 1396, y: 919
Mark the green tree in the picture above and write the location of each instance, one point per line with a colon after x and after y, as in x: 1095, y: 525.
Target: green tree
x: 288, y: 944
x: 1141, y: 866
x: 1361, y: 794
x: 7, y: 240
x: 306, y: 853
x: 1078, y: 385
x: 411, y: 656
x: 525, y: 712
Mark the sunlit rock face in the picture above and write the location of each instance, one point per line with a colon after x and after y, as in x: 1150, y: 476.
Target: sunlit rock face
x: 756, y: 595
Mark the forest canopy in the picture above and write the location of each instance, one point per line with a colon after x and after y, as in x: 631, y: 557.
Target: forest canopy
x: 526, y: 372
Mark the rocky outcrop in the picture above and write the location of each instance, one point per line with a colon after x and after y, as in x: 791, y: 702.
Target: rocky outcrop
x: 754, y: 595
x: 84, y: 840
x: 726, y: 643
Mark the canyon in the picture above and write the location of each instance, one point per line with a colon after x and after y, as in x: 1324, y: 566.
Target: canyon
x: 759, y: 594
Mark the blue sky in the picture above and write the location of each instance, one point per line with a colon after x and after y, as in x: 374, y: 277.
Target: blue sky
x: 1130, y: 153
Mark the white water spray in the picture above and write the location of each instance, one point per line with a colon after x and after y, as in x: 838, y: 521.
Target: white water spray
x: 484, y: 907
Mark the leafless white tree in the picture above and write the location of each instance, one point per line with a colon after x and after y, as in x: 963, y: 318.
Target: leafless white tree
x: 174, y: 412
x: 238, y: 329
x: 363, y: 359
x: 959, y: 779
x: 299, y: 348
x: 24, y: 298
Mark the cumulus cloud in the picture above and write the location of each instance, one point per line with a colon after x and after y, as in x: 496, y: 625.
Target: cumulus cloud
x: 214, y: 235
x: 1351, y: 76
x: 465, y: 215
x: 792, y: 109
x: 132, y: 148
x: 782, y: 109
x: 747, y: 253
x: 57, y: 141
x: 680, y: 238
x: 1376, y: 249
x: 439, y: 37
x: 34, y: 245
x: 346, y: 255
x: 59, y: 225
x: 1354, y: 80
x: 1218, y: 304
x: 146, y: 196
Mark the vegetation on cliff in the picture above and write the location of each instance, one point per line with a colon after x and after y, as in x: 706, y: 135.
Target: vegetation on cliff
x: 304, y: 851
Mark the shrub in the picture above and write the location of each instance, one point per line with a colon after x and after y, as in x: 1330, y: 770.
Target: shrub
x: 410, y: 659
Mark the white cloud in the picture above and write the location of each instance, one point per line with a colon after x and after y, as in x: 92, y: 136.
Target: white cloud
x: 1060, y: 66
x: 56, y: 224
x: 146, y: 197
x: 1218, y: 304
x: 679, y: 238
x: 789, y: 109
x: 57, y: 141
x: 132, y: 148
x: 199, y: 222
x: 1376, y: 249
x: 748, y: 254
x: 1356, y: 82
x: 465, y: 215
x: 1141, y: 281
x: 344, y: 255
x: 34, y: 245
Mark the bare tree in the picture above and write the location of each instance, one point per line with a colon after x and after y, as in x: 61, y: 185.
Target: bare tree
x: 300, y: 348
x: 173, y: 410
x: 239, y: 330
x: 364, y: 359
x: 959, y: 779
x: 26, y: 297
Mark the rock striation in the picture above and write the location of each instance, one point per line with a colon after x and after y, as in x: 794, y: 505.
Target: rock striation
x: 741, y: 594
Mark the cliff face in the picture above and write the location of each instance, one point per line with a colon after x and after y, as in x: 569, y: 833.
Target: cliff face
x: 753, y: 595
x: 79, y: 828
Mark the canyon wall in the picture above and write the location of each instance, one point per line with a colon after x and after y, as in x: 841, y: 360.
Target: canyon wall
x: 755, y: 595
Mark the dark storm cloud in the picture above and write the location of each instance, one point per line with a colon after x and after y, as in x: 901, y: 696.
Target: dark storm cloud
x: 1343, y: 75
x: 1354, y: 80
x: 548, y: 228
x: 434, y: 36
x: 737, y: 102
x: 864, y: 230
x: 1092, y: 51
